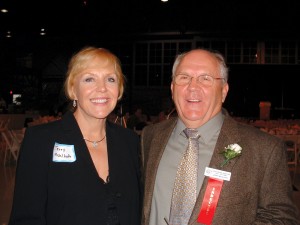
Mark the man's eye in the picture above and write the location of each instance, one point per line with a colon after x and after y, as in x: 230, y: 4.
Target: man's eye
x: 205, y: 77
x: 183, y: 77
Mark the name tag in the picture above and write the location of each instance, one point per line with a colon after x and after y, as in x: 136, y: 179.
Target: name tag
x: 217, y: 174
x: 63, y: 153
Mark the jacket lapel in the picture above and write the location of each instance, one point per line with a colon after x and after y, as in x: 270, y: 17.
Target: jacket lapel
x: 72, y: 135
x: 158, y: 144
x: 228, y: 135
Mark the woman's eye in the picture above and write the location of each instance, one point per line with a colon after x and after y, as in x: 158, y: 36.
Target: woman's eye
x: 111, y: 79
x: 88, y: 79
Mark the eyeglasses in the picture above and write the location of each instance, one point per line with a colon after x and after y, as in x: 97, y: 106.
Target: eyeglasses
x: 205, y: 80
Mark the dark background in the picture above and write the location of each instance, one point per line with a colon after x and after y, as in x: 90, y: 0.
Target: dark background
x: 250, y: 84
x: 90, y: 18
x: 72, y: 24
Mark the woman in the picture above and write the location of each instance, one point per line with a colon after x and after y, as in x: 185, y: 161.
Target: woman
x: 82, y: 169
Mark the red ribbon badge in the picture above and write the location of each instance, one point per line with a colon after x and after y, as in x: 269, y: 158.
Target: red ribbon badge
x: 210, y: 201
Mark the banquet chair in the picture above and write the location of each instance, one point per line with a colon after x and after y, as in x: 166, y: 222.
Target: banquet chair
x: 292, y: 152
x: 18, y: 135
x: 3, y: 151
x: 12, y: 145
x: 4, y: 123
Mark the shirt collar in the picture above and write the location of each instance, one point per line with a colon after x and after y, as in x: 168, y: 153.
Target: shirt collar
x: 207, y: 130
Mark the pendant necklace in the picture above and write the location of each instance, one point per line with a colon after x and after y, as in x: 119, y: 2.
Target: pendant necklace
x: 95, y: 143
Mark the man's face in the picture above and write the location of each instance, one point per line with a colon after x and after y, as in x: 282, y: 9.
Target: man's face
x: 195, y: 102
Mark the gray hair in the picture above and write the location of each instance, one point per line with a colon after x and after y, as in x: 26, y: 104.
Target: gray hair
x: 219, y: 57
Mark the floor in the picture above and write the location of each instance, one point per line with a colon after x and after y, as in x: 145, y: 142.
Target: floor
x: 7, y: 174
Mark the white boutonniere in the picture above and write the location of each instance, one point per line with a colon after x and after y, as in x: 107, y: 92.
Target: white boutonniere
x: 230, y: 152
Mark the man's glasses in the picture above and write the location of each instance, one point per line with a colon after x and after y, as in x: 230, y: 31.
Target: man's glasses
x: 205, y: 80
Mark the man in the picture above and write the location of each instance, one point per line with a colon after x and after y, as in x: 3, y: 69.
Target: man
x: 251, y: 187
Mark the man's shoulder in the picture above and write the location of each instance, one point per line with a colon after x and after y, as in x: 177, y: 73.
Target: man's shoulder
x: 161, y: 125
x: 249, y: 131
x: 158, y: 130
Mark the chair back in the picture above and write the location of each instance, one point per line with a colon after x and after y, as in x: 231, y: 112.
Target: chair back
x: 12, y: 144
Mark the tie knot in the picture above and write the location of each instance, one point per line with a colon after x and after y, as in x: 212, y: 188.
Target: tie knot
x: 191, y: 133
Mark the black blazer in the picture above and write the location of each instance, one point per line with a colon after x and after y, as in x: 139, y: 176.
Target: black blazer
x: 71, y: 193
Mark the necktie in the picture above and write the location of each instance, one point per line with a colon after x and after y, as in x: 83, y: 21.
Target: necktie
x: 185, y: 186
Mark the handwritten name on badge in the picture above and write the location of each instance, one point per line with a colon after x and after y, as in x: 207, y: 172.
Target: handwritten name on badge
x: 63, y: 153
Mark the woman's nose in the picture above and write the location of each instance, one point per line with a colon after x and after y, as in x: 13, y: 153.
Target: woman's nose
x: 101, y: 85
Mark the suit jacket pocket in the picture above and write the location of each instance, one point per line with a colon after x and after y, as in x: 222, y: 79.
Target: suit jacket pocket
x: 235, y: 209
x: 237, y: 199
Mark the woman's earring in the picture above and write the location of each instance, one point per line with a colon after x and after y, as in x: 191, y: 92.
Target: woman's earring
x: 74, y: 103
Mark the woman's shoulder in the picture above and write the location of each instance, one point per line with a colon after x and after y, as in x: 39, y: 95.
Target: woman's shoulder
x: 120, y: 129
x: 52, y: 126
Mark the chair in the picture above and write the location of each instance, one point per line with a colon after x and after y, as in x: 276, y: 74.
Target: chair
x: 292, y: 147
x: 18, y: 135
x: 292, y: 152
x: 4, y: 124
x: 12, y: 145
x: 3, y: 151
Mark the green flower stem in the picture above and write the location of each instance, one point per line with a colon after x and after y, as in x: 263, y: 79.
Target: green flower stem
x: 225, y: 162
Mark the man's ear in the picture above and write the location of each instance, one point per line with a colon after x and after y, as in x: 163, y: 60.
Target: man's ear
x: 172, y: 86
x: 225, y: 90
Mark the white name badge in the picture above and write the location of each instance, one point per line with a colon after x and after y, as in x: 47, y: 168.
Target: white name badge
x: 218, y: 174
x: 63, y: 153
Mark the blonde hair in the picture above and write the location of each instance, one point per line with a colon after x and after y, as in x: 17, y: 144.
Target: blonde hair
x: 80, y: 60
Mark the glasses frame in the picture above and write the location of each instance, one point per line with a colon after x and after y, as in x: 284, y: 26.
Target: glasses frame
x: 197, y: 79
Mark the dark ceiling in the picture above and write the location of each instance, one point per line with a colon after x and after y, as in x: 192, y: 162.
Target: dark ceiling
x: 68, y: 20
x: 65, y: 18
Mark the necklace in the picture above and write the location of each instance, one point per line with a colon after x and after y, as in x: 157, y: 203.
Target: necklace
x: 95, y: 143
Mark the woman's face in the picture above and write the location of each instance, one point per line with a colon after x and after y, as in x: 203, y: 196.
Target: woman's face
x: 96, y: 90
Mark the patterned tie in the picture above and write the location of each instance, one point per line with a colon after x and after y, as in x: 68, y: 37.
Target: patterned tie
x: 185, y: 186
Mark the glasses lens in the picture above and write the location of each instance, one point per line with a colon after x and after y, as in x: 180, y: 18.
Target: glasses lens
x: 206, y: 80
x: 182, y: 79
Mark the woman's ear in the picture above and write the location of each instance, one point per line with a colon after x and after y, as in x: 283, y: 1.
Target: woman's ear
x: 72, y: 93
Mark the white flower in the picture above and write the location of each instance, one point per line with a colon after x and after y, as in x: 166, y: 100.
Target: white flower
x: 230, y: 152
x: 235, y: 147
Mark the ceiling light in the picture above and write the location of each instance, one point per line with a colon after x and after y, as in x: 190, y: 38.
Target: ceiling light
x: 8, y: 34
x: 42, y: 32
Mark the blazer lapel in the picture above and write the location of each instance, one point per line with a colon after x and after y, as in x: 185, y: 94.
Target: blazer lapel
x: 228, y: 135
x: 72, y: 135
x: 158, y: 144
